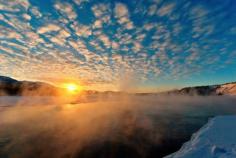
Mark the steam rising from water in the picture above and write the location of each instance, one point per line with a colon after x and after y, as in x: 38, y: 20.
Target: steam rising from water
x: 124, y: 126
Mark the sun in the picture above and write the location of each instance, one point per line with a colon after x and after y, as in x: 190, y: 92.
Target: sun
x: 72, y: 87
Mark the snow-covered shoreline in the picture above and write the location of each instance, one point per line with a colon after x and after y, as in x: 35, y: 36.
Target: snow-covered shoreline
x: 216, y: 139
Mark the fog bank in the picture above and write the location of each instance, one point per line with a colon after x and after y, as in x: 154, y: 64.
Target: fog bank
x: 121, y: 126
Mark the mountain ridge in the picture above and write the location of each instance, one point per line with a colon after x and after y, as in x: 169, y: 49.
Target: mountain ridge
x: 10, y: 86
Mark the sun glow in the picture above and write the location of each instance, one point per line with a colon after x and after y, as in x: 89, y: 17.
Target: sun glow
x: 72, y: 88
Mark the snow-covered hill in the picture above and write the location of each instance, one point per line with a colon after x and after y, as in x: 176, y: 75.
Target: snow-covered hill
x: 217, y: 139
x: 222, y: 89
x: 229, y: 89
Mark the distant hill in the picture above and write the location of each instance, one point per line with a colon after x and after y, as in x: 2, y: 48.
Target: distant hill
x: 7, y: 80
x: 9, y: 86
x: 12, y: 87
x: 222, y: 89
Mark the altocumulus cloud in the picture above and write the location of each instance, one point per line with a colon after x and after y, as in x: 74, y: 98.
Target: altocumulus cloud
x: 99, y: 41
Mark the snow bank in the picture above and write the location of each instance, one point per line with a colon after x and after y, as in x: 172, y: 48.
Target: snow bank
x: 217, y: 139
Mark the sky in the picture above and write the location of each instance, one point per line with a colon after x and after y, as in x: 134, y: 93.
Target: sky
x: 142, y: 45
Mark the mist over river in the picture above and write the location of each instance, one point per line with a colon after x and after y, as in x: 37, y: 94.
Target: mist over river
x: 126, y: 126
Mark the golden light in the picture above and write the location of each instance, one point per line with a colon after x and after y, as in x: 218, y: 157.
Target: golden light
x: 72, y: 88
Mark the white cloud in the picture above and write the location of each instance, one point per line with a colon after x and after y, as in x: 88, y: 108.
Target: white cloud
x: 35, y: 12
x: 48, y: 28
x: 140, y: 37
x: 64, y: 34
x: 96, y: 45
x: 82, y: 30
x: 115, y: 45
x: 136, y: 47
x: 60, y: 38
x: 16, y: 22
x: 14, y: 45
x: 106, y: 41
x: 122, y: 14
x: 100, y: 9
x: 33, y: 39
x: 121, y: 10
x: 152, y: 9
x: 166, y: 9
x: 198, y: 12
x: 102, y: 13
x: 80, y: 2
x: 66, y: 9
x: 129, y: 25
x: 9, y: 33
x: 14, y: 5
x: 26, y: 16
x: 97, y: 24
x: 149, y: 26
x: 58, y: 41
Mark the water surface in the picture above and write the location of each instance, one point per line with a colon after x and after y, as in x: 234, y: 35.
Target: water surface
x: 104, y: 127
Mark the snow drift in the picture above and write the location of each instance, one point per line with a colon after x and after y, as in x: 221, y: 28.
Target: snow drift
x: 217, y: 139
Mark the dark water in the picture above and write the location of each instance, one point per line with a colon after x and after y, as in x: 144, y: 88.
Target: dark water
x: 136, y: 127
